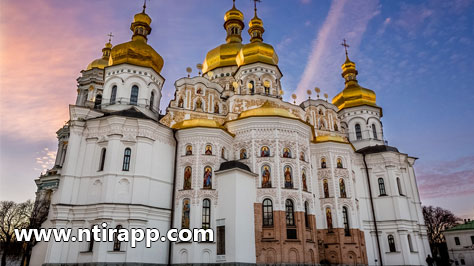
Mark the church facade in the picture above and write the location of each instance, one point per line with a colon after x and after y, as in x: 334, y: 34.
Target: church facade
x: 277, y: 182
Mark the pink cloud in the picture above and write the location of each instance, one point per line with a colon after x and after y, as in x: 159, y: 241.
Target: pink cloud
x: 346, y: 19
x: 43, y: 51
x: 448, y: 178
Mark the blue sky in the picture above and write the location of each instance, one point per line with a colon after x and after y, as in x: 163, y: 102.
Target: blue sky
x: 416, y: 55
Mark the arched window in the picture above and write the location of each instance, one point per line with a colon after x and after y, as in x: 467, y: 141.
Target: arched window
x: 180, y: 103
x: 189, y: 150
x: 302, y: 156
x: 329, y: 219
x: 185, y: 215
x: 206, y: 214
x: 116, y: 241
x: 290, y: 214
x: 266, y: 177
x: 306, y: 214
x: 323, y: 162
x: 113, y: 94
x: 223, y: 153
x: 90, y: 248
x: 134, y: 95
x: 382, y: 187
x: 358, y: 132
x: 339, y: 163
x: 326, y: 188
x: 345, y: 218
x: 126, y: 159
x: 336, y: 128
x: 267, y: 212
x: 399, y: 185
x: 391, y: 243
x: 98, y: 101
x: 252, y: 87
x: 342, y: 188
x: 152, y: 100
x: 102, y: 159
x: 287, y: 173
x: 374, y: 131
x: 243, y: 154
x: 266, y: 86
x: 265, y: 151
x: 410, y: 243
x: 188, y: 172
x: 207, y: 177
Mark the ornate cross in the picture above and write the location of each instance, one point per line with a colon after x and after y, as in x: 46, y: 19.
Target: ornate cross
x: 255, y: 4
x: 110, y: 36
x: 344, y: 43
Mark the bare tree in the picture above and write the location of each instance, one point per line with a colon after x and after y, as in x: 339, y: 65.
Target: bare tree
x: 12, y: 216
x: 437, y: 220
x: 38, y: 217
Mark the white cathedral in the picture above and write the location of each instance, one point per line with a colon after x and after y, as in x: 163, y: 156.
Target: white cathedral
x: 279, y: 183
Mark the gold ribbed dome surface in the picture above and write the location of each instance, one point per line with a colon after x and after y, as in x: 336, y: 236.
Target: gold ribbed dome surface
x: 257, y: 52
x: 197, y: 122
x: 221, y: 56
x: 353, y: 94
x: 267, y: 109
x: 234, y: 13
x: 137, y: 51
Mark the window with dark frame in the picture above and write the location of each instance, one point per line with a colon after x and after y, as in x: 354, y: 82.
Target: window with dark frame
x: 102, y: 159
x: 306, y: 214
x: 358, y: 132
x: 391, y: 243
x: 113, y: 94
x: 116, y: 241
x: 152, y: 100
x: 410, y: 243
x: 381, y: 187
x: 374, y: 131
x: 290, y: 220
x: 267, y: 212
x: 221, y: 240
x: 134, y: 95
x: 399, y: 185
x: 206, y: 214
x: 345, y: 218
x: 126, y: 159
x: 456, y: 240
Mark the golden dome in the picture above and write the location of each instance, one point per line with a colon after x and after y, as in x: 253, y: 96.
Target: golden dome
x: 137, y: 51
x: 197, y: 122
x: 234, y: 13
x: 353, y: 94
x: 102, y: 62
x: 225, y: 54
x: 221, y: 56
x: 257, y: 50
x: 267, y: 109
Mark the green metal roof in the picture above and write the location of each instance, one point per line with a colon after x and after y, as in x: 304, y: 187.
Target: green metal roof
x: 465, y: 226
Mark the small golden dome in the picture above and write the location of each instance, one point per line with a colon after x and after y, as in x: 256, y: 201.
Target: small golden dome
x: 233, y: 13
x: 267, y: 109
x: 257, y: 50
x: 137, y: 51
x: 353, y: 94
x: 197, y: 122
x: 102, y: 62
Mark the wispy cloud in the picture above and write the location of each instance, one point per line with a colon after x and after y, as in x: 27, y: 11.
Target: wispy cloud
x: 447, y: 178
x: 346, y: 19
x: 45, y: 160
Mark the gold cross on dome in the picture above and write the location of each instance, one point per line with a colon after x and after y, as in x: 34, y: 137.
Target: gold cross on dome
x: 255, y: 4
x: 110, y: 36
x: 344, y: 43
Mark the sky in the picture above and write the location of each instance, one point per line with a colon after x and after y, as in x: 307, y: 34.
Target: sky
x: 416, y: 55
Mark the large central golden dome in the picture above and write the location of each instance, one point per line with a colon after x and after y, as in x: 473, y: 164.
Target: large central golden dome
x: 257, y: 50
x: 137, y: 51
x: 225, y: 54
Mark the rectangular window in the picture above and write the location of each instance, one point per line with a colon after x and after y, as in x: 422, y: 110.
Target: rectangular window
x: 472, y: 240
x: 291, y: 233
x: 221, y: 240
x: 456, y: 240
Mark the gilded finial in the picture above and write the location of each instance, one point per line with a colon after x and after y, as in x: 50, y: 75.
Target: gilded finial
x: 110, y: 37
x: 199, y: 67
x: 309, y: 93
x: 255, y: 5
x: 294, y: 98
x: 317, y: 90
x: 144, y: 6
x: 189, y: 70
x: 344, y: 43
